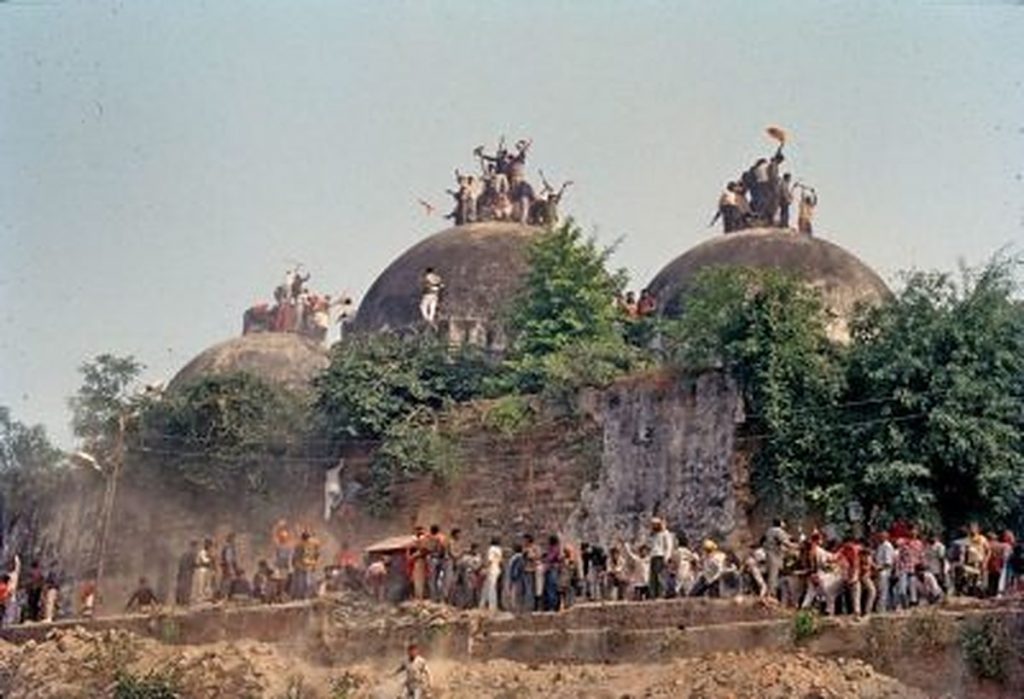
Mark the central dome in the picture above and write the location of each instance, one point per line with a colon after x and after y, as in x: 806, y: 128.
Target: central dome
x: 843, y: 280
x: 482, y: 265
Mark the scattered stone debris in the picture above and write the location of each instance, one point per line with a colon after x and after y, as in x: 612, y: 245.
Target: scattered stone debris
x: 76, y: 663
x: 746, y: 675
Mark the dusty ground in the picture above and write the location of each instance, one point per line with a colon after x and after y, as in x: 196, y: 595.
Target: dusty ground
x: 77, y: 664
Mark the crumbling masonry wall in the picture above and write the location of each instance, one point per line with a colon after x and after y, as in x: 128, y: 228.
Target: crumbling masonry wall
x: 653, y: 444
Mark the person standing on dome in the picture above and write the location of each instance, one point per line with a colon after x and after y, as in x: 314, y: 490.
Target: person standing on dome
x: 298, y: 283
x: 432, y: 284
x: 759, y: 189
x: 785, y: 199
x: 808, y: 202
x: 772, y: 193
x: 465, y: 199
x: 733, y: 208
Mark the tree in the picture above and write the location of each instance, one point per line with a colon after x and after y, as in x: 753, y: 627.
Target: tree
x: 768, y: 330
x: 941, y: 371
x: 227, y: 433
x: 30, y: 476
x: 377, y: 381
x: 568, y: 296
x: 105, y: 396
x: 566, y: 329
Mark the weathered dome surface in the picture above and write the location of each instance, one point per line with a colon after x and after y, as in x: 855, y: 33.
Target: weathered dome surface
x: 482, y: 265
x: 284, y: 359
x: 843, y: 280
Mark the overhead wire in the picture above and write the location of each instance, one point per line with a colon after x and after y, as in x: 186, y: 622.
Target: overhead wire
x: 220, y: 455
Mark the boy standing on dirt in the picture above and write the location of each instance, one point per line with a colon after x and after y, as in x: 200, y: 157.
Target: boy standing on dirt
x: 417, y: 675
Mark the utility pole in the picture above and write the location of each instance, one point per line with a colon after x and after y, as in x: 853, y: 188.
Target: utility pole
x: 109, y: 494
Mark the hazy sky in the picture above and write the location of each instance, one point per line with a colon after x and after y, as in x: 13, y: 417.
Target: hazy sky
x: 162, y: 162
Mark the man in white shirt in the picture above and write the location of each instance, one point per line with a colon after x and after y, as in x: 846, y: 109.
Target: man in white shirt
x: 432, y: 285
x: 885, y: 560
x: 660, y: 544
x: 640, y: 570
x: 776, y: 545
x: 686, y: 562
x: 492, y: 567
x: 714, y: 564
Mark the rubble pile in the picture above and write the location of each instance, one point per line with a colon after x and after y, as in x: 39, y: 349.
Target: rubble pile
x: 741, y: 675
x: 78, y: 664
x: 75, y: 663
x: 351, y: 611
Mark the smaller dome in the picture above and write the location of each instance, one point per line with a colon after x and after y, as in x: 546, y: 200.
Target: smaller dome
x: 284, y: 359
x: 843, y: 280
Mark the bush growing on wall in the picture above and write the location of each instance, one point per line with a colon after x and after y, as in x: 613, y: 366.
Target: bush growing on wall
x: 566, y: 330
x: 921, y: 417
x: 768, y: 330
x: 375, y: 382
x: 225, y: 433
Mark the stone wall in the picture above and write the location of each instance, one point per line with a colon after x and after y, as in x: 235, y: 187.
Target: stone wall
x: 653, y: 444
x: 668, y: 448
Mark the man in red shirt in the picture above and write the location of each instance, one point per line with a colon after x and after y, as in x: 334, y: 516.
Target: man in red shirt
x: 848, y: 558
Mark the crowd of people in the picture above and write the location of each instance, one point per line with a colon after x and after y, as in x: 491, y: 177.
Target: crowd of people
x: 29, y: 595
x: 501, y: 192
x: 297, y: 309
x: 762, y: 196
x: 206, y: 574
x: 894, y: 569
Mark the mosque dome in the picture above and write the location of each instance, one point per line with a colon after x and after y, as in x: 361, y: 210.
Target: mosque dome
x: 482, y: 265
x: 284, y: 359
x: 843, y: 280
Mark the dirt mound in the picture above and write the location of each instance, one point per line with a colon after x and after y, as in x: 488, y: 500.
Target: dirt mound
x: 78, y: 664
x: 749, y: 675
x: 349, y: 610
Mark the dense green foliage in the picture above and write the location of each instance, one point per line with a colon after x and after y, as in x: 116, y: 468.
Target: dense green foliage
x: 226, y: 431
x: 392, y: 390
x: 31, y: 474
x: 941, y: 372
x: 568, y: 297
x: 920, y: 416
x: 566, y: 330
x: 413, y: 446
x: 768, y: 330
x: 105, y: 396
x: 375, y: 382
